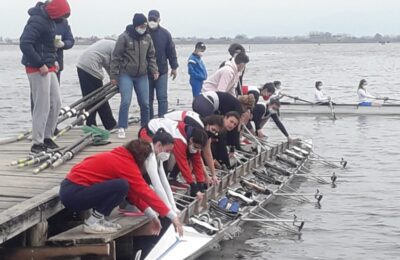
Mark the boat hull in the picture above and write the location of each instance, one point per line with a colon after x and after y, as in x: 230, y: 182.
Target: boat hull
x: 340, y: 109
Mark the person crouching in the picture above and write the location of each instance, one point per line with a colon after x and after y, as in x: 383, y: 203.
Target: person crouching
x: 102, y: 181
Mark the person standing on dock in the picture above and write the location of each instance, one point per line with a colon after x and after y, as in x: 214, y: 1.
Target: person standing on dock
x: 90, y: 67
x: 226, y: 78
x: 133, y: 58
x: 102, y: 181
x: 196, y: 69
x: 64, y: 41
x: 37, y: 44
x: 165, y: 52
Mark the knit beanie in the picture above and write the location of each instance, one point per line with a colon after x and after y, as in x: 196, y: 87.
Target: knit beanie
x: 139, y: 19
x: 57, y: 8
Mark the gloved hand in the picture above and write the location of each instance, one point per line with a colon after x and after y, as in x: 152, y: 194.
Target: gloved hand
x: 59, y: 44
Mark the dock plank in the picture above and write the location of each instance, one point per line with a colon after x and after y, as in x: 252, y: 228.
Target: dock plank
x: 26, y: 198
x: 76, y: 235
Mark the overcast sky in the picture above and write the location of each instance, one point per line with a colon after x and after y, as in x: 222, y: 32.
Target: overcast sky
x: 205, y: 18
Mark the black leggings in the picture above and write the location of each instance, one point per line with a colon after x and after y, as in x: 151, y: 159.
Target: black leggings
x: 88, y: 84
x: 103, y: 196
x: 202, y: 106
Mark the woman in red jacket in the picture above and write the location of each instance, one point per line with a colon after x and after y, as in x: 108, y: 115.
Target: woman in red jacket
x: 102, y: 181
x: 189, y: 142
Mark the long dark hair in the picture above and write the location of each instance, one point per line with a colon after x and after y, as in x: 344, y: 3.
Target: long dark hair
x: 214, y: 120
x: 362, y: 82
x: 163, y: 137
x: 140, y: 150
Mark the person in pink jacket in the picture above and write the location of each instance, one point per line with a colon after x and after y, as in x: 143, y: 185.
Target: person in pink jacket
x: 227, y: 77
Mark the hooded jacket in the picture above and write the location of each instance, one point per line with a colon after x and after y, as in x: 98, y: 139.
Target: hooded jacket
x: 165, y: 49
x: 37, y: 39
x: 119, y: 164
x: 133, y: 54
x: 63, y: 29
x: 224, y: 80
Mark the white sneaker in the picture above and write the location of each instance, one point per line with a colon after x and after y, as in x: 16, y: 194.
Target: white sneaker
x: 121, y: 133
x: 98, y: 227
x: 111, y: 224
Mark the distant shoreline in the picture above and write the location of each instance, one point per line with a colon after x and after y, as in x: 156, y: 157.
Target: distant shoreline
x: 210, y: 42
x: 312, y: 38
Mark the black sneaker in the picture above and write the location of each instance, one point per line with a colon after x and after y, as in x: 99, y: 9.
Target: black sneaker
x: 50, y: 143
x: 38, y: 148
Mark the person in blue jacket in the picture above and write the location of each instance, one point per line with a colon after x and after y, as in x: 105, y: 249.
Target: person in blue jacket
x: 165, y: 52
x: 66, y: 41
x: 196, y: 69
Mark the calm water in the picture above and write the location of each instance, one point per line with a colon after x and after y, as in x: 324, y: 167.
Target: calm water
x: 359, y: 219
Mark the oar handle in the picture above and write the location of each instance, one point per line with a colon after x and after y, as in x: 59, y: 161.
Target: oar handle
x: 297, y: 98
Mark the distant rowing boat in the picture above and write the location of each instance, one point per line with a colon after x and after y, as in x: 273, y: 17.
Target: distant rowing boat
x: 340, y: 109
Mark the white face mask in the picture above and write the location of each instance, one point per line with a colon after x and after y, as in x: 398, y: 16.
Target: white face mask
x: 200, y: 53
x: 153, y: 25
x: 192, y: 149
x: 163, y: 156
x: 140, y: 30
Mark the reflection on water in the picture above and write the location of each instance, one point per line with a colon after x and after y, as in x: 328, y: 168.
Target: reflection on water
x: 359, y: 218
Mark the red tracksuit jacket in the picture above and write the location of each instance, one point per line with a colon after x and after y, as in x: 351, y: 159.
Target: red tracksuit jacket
x: 118, y: 164
x: 180, y: 151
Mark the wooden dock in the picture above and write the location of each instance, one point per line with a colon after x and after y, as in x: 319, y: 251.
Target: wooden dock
x: 27, y: 199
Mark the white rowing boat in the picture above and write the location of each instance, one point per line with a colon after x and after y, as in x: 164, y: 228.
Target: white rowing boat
x: 340, y: 109
x: 196, y: 242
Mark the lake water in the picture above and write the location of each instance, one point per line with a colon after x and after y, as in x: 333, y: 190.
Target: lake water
x: 359, y: 219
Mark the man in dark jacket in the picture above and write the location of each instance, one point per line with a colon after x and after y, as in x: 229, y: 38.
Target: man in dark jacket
x: 65, y: 41
x: 37, y: 44
x: 133, y: 59
x: 165, y: 52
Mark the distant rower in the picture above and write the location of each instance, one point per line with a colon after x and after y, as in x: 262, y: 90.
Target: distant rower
x: 364, y: 97
x: 319, y: 95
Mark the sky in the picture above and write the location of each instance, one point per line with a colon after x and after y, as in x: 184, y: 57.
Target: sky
x: 217, y: 18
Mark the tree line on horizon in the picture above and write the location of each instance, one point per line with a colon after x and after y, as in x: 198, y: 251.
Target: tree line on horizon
x: 312, y: 37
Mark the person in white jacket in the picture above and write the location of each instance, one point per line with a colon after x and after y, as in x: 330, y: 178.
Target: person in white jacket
x: 319, y: 96
x: 163, y: 144
x: 365, y: 98
x: 227, y: 77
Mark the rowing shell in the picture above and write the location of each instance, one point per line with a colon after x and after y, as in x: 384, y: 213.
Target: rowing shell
x: 193, y: 243
x: 340, y: 109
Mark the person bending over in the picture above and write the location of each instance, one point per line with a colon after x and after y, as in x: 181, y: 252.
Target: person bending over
x: 212, y: 124
x: 263, y: 112
x: 188, y: 144
x: 227, y: 77
x: 266, y: 91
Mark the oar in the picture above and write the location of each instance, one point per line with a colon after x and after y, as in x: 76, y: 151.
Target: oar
x: 79, y: 101
x: 86, y: 104
x: 17, y: 138
x: 98, y: 137
x: 84, y: 116
x: 296, y: 98
x: 387, y: 99
x: 271, y: 220
x: 332, y: 110
x: 90, y: 131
